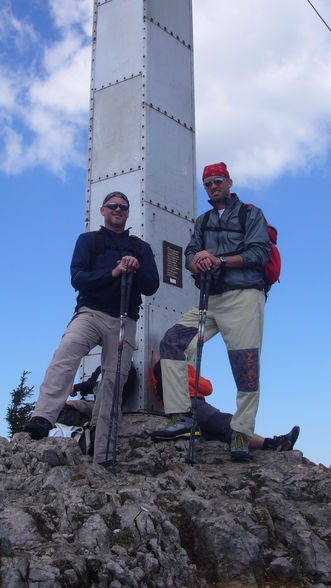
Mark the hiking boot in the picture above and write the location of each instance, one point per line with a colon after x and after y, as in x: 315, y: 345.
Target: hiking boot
x: 38, y: 427
x: 239, y: 447
x: 179, y: 428
x: 286, y: 442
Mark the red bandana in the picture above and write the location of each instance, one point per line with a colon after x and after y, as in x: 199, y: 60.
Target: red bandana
x: 215, y: 169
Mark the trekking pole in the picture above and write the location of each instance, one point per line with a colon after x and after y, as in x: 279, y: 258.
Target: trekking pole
x: 205, y: 278
x: 126, y: 286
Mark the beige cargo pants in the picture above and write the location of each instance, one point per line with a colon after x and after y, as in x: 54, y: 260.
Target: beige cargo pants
x: 238, y: 316
x: 88, y: 329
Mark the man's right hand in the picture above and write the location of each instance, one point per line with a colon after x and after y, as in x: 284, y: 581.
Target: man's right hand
x: 127, y: 264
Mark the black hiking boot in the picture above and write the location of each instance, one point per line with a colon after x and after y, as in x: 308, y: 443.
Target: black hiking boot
x: 38, y: 427
x: 286, y: 442
x: 178, y: 428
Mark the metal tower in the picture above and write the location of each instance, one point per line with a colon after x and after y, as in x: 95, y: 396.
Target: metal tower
x: 142, y: 142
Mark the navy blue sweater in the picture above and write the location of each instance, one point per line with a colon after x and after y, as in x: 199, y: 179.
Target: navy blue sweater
x: 91, y: 273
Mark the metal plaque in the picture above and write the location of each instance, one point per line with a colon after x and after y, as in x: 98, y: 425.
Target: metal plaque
x: 172, y: 264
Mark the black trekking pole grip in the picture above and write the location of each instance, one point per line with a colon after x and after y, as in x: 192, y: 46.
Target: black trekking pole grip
x: 123, y: 292
x: 202, y: 290
x: 130, y: 277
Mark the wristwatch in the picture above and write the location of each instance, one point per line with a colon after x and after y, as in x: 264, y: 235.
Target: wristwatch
x: 223, y: 259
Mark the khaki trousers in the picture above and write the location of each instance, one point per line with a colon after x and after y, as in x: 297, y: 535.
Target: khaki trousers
x: 86, y: 330
x: 238, y: 316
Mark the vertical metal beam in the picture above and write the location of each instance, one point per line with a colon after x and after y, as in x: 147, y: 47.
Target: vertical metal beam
x: 142, y: 143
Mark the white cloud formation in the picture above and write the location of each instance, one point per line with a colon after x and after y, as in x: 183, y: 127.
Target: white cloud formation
x: 262, y: 85
x: 47, y: 107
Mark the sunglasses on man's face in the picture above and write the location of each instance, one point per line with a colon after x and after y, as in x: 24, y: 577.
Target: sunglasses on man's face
x: 114, y: 205
x: 216, y: 181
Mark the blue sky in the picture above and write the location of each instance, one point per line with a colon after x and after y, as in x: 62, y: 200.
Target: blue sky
x: 263, y: 105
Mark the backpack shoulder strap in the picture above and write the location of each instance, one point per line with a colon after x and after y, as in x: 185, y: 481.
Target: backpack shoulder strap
x: 242, y: 215
x: 205, y: 221
x: 99, y: 242
x: 136, y: 246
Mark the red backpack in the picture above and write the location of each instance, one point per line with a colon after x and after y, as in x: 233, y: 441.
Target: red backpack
x: 272, y: 269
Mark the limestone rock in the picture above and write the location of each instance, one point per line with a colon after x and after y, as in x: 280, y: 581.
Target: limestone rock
x: 160, y: 523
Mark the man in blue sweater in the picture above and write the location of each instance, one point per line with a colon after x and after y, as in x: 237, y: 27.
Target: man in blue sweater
x: 98, y: 261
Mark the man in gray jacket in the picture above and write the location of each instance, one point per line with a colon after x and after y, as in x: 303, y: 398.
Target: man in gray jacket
x: 236, y: 258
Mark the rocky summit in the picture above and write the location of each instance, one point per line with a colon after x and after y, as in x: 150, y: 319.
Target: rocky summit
x: 159, y: 522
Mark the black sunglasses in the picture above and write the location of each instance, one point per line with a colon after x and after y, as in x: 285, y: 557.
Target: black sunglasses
x: 114, y: 205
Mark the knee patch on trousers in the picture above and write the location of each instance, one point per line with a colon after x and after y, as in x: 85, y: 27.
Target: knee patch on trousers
x: 245, y: 369
x: 175, y: 341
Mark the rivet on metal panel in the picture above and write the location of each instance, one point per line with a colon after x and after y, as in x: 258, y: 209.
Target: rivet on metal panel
x: 151, y: 104
x: 189, y: 46
x: 178, y: 120
x: 158, y: 24
x: 165, y: 112
x: 116, y: 81
x: 139, y: 166
x: 158, y: 204
x: 171, y: 34
x: 164, y: 28
x: 172, y: 116
x: 177, y: 37
x: 124, y: 78
x: 122, y: 171
x: 130, y: 168
x: 115, y: 174
x: 152, y: 19
x: 158, y: 108
x: 185, y: 125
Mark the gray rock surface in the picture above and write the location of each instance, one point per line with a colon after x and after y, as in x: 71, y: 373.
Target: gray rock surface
x: 159, y: 522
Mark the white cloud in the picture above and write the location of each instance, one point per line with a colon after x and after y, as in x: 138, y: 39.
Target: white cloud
x: 10, y: 27
x: 47, y: 107
x: 262, y: 85
x: 67, y: 13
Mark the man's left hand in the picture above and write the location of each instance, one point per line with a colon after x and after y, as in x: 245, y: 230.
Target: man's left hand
x: 206, y: 261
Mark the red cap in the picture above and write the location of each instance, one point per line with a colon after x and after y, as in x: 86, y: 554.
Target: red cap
x: 215, y: 169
